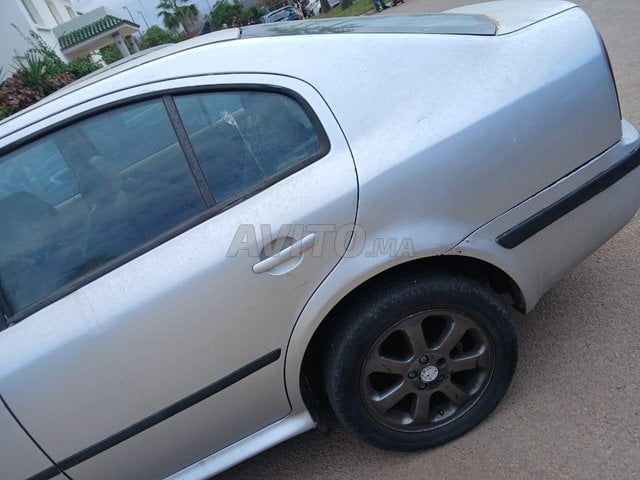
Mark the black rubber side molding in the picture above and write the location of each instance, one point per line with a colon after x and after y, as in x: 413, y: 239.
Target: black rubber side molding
x: 545, y: 217
x: 159, y: 416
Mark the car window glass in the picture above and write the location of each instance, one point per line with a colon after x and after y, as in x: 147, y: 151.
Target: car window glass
x: 243, y: 138
x: 126, y: 149
x: 203, y: 112
x: 76, y: 199
x: 41, y: 170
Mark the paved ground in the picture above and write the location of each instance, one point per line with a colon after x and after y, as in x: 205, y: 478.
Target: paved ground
x: 573, y: 411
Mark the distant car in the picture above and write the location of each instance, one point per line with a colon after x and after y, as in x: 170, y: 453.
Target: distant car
x: 284, y: 14
x: 332, y: 4
x: 201, y: 245
x: 313, y: 7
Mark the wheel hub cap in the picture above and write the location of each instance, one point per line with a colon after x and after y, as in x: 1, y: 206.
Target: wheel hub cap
x: 429, y: 373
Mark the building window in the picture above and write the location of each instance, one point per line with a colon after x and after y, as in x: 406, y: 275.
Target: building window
x: 32, y: 11
x: 70, y: 11
x: 54, y: 11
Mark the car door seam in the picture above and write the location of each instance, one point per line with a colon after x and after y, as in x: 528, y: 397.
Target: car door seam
x: 45, y: 474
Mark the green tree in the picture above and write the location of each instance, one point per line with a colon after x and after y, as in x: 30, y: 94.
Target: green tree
x: 177, y: 12
x: 223, y: 13
x: 250, y: 15
x: 156, y: 35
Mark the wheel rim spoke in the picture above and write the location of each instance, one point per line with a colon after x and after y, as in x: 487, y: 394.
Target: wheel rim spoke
x: 453, y: 334
x: 454, y: 393
x: 379, y: 364
x: 470, y: 362
x: 386, y: 400
x: 421, y: 409
x: 415, y: 336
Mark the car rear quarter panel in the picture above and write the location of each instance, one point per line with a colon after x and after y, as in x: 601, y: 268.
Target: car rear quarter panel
x: 459, y: 130
x: 479, y: 125
x: 542, y: 260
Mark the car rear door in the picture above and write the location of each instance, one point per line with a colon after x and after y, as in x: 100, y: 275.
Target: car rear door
x: 156, y: 354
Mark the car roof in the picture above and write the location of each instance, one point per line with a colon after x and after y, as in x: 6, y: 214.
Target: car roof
x: 459, y: 23
x: 442, y: 23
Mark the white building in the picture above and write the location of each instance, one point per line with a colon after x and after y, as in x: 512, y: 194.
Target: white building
x: 69, y: 33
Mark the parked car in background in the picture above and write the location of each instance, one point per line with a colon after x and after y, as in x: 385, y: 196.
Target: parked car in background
x: 313, y: 8
x: 284, y: 14
x: 200, y: 246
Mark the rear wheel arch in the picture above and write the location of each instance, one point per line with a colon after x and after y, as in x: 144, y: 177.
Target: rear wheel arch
x: 311, y: 382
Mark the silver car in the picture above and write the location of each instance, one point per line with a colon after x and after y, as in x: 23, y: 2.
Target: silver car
x: 205, y: 248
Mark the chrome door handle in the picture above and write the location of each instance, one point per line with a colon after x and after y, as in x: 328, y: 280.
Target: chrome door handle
x: 294, y: 250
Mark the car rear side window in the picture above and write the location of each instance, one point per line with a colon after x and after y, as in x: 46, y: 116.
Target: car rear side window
x: 85, y: 194
x: 243, y: 138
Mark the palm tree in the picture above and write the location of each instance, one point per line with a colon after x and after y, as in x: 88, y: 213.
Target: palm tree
x: 177, y: 12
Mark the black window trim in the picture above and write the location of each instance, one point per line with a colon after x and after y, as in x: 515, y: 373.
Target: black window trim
x: 4, y: 310
x: 10, y: 317
x: 189, y: 152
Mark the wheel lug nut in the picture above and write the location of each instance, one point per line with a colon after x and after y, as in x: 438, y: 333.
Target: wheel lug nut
x: 440, y: 377
x: 424, y: 359
x: 413, y: 374
x: 423, y: 386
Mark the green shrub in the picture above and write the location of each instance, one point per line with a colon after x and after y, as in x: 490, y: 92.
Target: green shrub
x: 34, y: 71
x: 58, y: 81
x: 38, y: 73
x: 20, y: 92
x: 80, y: 67
x: 39, y: 48
x: 16, y: 95
x: 110, y: 54
x: 156, y: 36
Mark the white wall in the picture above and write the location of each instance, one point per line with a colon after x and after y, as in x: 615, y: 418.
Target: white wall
x: 14, y: 11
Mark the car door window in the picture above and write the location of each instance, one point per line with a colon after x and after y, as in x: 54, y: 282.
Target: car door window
x: 243, y: 138
x: 90, y: 192
x: 126, y: 149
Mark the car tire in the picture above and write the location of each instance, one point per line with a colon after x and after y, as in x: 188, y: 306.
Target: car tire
x: 420, y: 361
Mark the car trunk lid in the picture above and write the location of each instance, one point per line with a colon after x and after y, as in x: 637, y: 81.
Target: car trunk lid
x: 512, y: 15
